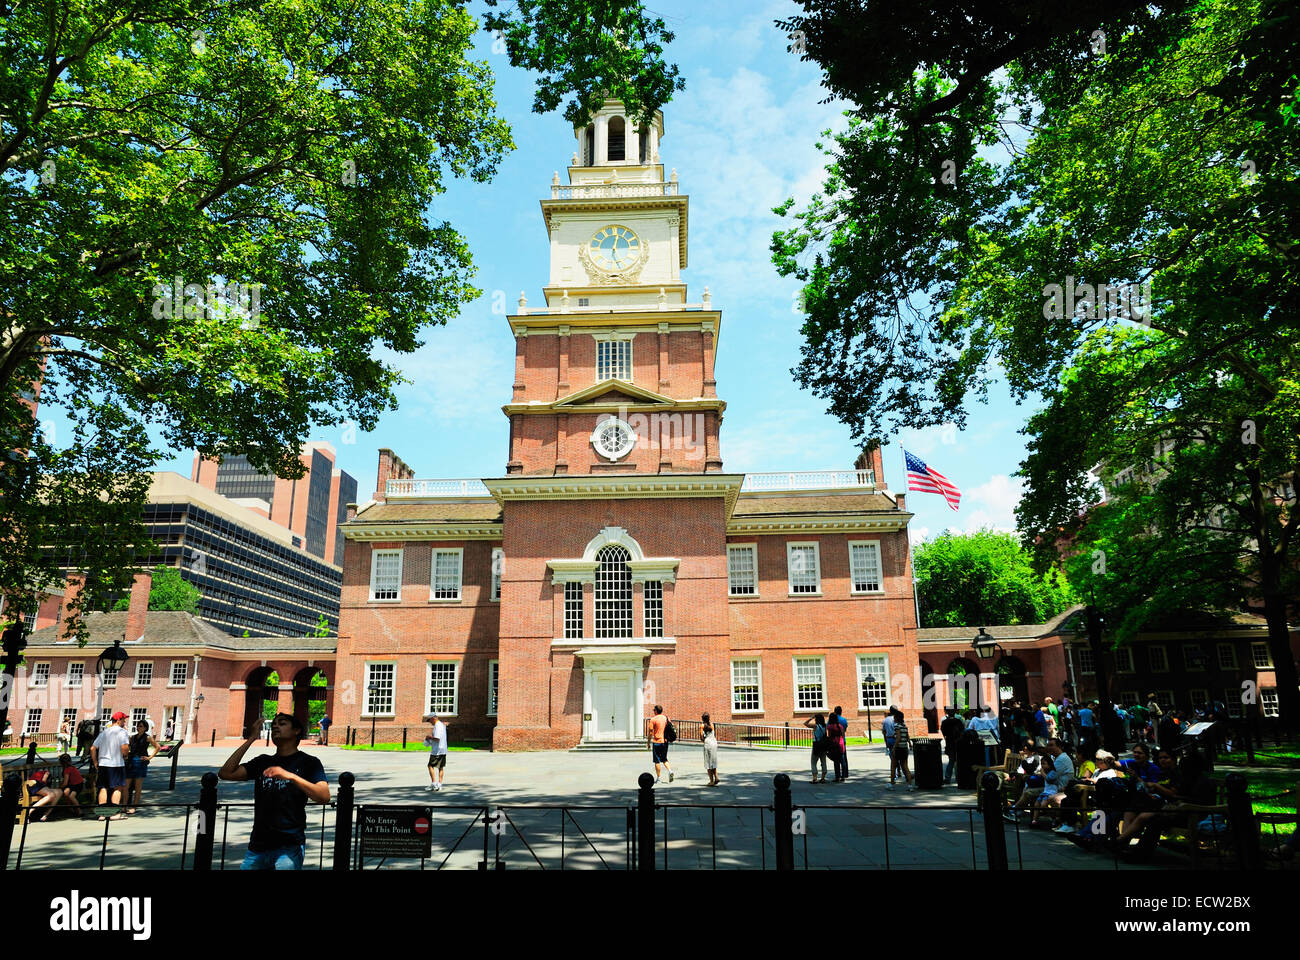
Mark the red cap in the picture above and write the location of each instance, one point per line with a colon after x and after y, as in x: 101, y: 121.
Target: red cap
x: 119, y: 716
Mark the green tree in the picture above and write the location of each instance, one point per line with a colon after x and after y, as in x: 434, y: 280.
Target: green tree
x: 982, y: 578
x: 218, y: 215
x: 1155, y: 180
x: 168, y: 591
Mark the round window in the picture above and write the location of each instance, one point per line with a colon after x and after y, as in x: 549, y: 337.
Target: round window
x: 613, y: 439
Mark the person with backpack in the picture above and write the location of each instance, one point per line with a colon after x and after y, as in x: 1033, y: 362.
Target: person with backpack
x: 324, y: 737
x: 662, y: 733
x: 844, y: 752
x: 818, y: 724
x: 436, y: 741
x: 85, y: 736
x: 901, y: 745
x: 835, y: 746
x: 951, y: 728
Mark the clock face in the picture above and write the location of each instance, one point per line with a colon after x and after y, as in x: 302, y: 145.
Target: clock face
x: 615, y: 248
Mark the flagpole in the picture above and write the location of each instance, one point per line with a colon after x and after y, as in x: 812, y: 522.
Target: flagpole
x: 916, y: 600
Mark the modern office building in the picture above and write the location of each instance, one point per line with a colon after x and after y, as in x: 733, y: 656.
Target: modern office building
x: 253, y: 574
x: 311, y: 506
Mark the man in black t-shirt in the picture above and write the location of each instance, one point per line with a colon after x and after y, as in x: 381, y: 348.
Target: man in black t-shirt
x: 283, y: 783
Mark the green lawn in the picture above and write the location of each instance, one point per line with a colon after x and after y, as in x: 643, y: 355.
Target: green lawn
x: 1276, y: 771
x: 414, y: 747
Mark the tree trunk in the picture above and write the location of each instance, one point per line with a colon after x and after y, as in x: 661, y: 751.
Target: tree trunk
x: 1279, y: 648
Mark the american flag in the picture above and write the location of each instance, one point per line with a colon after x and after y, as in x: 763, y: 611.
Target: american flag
x: 928, y: 480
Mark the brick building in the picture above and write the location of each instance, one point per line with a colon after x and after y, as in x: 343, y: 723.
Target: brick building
x: 615, y: 564
x: 174, y: 659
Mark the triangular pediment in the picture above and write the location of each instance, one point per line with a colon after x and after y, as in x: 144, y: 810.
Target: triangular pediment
x: 612, y: 391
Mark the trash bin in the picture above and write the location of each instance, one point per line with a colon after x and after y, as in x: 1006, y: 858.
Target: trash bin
x: 970, y: 753
x: 927, y: 754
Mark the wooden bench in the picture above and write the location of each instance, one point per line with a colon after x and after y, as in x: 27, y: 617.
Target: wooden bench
x: 54, y: 771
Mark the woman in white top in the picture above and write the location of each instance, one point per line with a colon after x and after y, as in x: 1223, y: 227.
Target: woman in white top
x: 64, y: 736
x: 710, y: 749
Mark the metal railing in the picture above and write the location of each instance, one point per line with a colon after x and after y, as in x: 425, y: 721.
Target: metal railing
x: 808, y: 480
x: 743, y: 734
x: 436, y: 488
x: 588, y: 191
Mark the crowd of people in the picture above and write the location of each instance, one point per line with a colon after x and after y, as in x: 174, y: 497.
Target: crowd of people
x: 120, y: 761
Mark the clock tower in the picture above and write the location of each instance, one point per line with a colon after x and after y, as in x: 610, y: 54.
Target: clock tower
x: 614, y: 370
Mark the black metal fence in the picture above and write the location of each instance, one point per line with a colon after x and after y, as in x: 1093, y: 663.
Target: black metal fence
x: 743, y: 734
x: 645, y: 835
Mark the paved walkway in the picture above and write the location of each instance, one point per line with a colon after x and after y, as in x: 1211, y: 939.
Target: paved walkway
x: 847, y: 824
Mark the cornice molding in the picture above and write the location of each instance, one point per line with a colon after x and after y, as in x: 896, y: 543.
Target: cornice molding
x: 645, y: 406
x: 679, y: 202
x: 619, y: 487
x: 422, y: 530
x: 814, y: 523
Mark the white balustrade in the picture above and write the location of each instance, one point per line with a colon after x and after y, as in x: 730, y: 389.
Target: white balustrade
x: 808, y: 480
x: 592, y: 191
x: 436, y: 488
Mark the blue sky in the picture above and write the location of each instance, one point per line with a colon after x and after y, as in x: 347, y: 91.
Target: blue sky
x: 741, y: 137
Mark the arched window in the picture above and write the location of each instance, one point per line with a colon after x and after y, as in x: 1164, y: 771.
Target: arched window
x: 617, y: 149
x: 961, y: 685
x: 589, y: 146
x: 613, y: 593
x: 643, y: 137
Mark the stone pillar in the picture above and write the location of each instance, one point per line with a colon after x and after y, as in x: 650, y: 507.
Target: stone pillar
x: 654, y: 143
x: 562, y: 386
x: 674, y: 249
x: 663, y: 357
x: 709, y: 342
x: 561, y: 443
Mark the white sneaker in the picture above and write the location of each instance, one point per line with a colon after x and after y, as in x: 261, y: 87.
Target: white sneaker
x: 437, y: 788
x: 656, y: 779
x: 1064, y: 828
x: 430, y: 787
x: 670, y: 776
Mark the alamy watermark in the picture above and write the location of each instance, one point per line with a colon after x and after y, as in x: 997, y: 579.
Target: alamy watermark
x: 1105, y: 301
x: 213, y: 300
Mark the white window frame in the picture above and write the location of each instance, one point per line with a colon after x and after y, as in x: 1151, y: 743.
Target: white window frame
x: 498, y: 567
x: 185, y: 673
x: 105, y: 718
x: 1229, y: 662
x: 790, y: 548
x: 752, y: 550
x: 615, y: 338
x: 110, y: 678
x: 758, y: 669
x: 578, y: 608
x: 1164, y: 656
x: 33, y: 713
x: 138, y: 714
x: 429, y: 708
x: 652, y: 623
x: 882, y: 682
x: 1124, y: 665
x: 374, y: 570
x: 1130, y: 698
x: 1189, y: 661
x: 1087, y: 661
x: 1256, y: 648
x: 459, y: 554
x: 1232, y: 701
x: 69, y: 714
x: 1198, y: 696
x: 494, y: 686
x: 39, y: 678
x: 1166, y: 700
x: 139, y: 665
x: 794, y: 668
x: 76, y: 679
x: 1268, y: 702
x: 880, y: 569
x: 369, y: 677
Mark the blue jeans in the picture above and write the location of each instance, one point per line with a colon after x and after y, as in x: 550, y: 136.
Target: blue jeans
x: 279, y: 858
x: 952, y: 764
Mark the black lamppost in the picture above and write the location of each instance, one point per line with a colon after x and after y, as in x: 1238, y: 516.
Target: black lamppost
x: 113, y: 658
x: 373, y: 688
x: 986, y: 648
x: 870, y: 681
x: 14, y: 642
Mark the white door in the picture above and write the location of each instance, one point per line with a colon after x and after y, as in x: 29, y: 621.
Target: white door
x: 611, y: 708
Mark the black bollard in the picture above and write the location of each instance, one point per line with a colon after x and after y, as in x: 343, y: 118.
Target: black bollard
x: 214, y: 737
x: 9, y: 800
x: 995, y: 836
x: 343, y: 823
x: 783, y: 817
x: 1245, y: 828
x: 207, y: 822
x: 31, y: 752
x: 176, y: 754
x: 645, y: 822
x: 403, y: 738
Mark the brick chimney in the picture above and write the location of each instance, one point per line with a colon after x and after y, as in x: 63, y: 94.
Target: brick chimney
x: 72, y: 591
x: 391, y: 467
x: 871, y: 459
x: 139, y: 608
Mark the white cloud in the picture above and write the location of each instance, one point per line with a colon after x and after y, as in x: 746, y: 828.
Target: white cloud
x: 996, y: 500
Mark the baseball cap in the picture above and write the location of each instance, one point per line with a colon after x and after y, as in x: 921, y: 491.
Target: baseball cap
x: 119, y: 715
